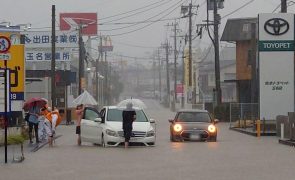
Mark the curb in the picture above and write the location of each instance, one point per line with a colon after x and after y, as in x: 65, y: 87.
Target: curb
x: 287, y: 142
x: 39, y: 146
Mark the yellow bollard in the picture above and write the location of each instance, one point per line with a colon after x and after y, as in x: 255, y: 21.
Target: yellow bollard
x: 258, y: 128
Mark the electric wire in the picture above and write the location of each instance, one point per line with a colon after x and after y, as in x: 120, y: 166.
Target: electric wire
x: 244, y: 5
x: 131, y: 10
x: 132, y: 45
x: 120, y: 34
x: 176, y: 4
x: 139, y: 22
x: 134, y: 14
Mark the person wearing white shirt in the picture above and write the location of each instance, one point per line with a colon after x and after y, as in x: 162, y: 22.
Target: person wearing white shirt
x: 50, y: 123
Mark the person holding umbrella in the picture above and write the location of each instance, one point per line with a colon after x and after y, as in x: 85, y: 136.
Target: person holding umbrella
x: 129, y: 115
x: 33, y: 122
x: 32, y: 106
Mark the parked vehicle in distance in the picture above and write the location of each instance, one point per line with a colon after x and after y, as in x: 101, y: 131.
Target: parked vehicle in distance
x: 193, y: 125
x: 105, y: 127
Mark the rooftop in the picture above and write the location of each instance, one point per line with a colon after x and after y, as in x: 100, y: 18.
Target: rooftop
x: 238, y: 29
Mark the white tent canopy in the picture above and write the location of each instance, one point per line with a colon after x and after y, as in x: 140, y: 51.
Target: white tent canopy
x: 85, y: 98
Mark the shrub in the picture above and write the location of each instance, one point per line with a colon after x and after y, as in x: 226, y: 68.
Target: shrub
x: 15, y: 139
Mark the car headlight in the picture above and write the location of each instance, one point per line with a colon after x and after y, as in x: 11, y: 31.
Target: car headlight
x: 211, y: 128
x: 177, y: 127
x: 150, y: 133
x: 111, y: 133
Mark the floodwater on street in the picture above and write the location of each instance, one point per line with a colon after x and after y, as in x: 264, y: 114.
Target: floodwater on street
x: 234, y: 156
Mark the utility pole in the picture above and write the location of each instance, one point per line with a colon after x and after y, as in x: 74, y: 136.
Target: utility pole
x: 96, y: 71
x: 107, y: 90
x: 283, y: 6
x: 175, y: 63
x: 254, y: 85
x: 190, y: 45
x: 53, y: 98
x: 160, y: 74
x: 175, y: 66
x: 81, y: 59
x: 183, y: 78
x: 166, y: 46
x: 188, y: 9
x: 154, y: 75
x: 103, y: 65
x: 137, y: 74
x: 216, y: 48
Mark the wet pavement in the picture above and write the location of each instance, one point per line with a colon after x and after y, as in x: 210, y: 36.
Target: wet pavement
x: 234, y: 156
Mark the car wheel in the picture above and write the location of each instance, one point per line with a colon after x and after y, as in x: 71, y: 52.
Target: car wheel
x: 103, y: 144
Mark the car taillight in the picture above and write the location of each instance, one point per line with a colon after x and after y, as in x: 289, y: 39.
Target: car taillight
x: 211, y: 128
x: 177, y: 127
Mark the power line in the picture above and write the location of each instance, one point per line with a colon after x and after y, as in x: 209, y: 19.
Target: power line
x: 244, y: 5
x: 134, y: 14
x: 131, y: 10
x: 139, y: 22
x: 132, y: 45
x: 176, y: 4
x: 132, y: 57
x: 120, y: 34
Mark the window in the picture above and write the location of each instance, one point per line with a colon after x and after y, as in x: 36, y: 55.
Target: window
x: 193, y: 117
x: 91, y: 114
x: 116, y: 115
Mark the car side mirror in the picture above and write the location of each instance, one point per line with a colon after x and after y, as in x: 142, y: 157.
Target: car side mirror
x: 216, y: 121
x: 98, y: 120
x: 170, y: 120
x: 152, y: 121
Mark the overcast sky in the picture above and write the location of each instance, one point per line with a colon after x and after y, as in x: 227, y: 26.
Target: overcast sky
x: 38, y: 13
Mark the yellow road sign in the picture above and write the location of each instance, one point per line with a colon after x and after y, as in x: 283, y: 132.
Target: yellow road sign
x: 17, y: 68
x: 13, y: 36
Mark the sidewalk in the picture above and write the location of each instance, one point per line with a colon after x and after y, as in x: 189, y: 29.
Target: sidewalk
x: 14, y: 151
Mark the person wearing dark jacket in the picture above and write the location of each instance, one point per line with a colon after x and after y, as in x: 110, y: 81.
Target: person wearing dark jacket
x: 129, y: 115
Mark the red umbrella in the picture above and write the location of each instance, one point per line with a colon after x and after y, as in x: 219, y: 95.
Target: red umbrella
x: 38, y: 102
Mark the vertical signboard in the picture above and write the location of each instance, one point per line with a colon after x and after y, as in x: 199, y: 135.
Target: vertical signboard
x: 17, y: 76
x: 276, y: 64
x: 2, y: 92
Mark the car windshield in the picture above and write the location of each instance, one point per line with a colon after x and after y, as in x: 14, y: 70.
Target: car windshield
x: 193, y: 117
x: 116, y: 115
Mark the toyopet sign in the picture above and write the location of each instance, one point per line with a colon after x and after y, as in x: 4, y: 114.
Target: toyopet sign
x: 276, y: 64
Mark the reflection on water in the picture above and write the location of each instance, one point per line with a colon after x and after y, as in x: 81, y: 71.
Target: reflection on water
x: 178, y: 146
x: 212, y: 145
